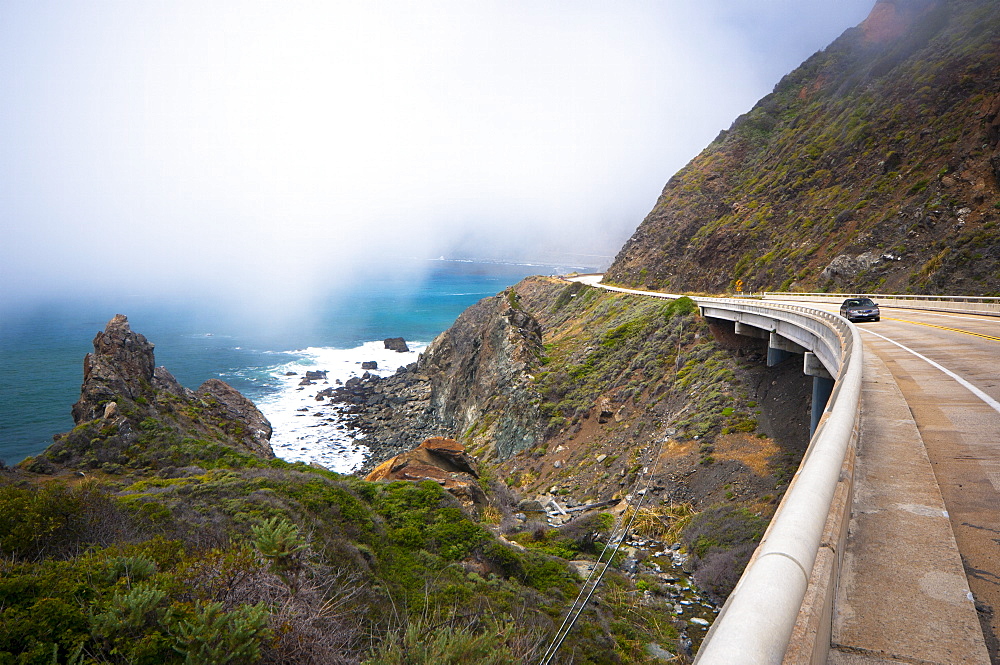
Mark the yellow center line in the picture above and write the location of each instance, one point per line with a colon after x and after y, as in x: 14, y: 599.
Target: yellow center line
x: 931, y: 325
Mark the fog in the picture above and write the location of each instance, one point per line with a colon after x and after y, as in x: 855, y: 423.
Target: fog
x: 264, y: 152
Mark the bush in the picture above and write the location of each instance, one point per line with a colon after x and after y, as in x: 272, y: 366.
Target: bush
x: 280, y: 542
x: 448, y: 644
x: 680, y: 307
x: 209, y: 636
x: 54, y: 520
x: 585, y: 533
x: 719, y: 571
x: 721, y: 539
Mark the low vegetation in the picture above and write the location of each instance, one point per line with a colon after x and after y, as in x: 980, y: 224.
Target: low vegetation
x: 278, y: 563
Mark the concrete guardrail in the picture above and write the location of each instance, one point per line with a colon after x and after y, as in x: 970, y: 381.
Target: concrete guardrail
x: 756, y: 624
x: 968, y: 304
x: 781, y: 609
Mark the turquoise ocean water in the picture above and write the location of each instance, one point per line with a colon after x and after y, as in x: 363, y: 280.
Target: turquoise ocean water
x: 42, y: 348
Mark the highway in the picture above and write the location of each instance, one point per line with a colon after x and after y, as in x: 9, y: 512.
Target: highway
x: 947, y: 367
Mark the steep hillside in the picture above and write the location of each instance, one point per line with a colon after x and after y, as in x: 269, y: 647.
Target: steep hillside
x: 550, y: 375
x: 874, y: 165
x: 631, y: 384
x: 582, y: 396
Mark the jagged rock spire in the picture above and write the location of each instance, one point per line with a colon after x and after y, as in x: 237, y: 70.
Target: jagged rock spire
x: 121, y: 364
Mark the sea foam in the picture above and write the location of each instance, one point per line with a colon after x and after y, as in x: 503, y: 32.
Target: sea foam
x: 308, y: 430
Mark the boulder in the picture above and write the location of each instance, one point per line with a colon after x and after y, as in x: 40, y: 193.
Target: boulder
x: 844, y: 268
x: 451, y: 452
x: 442, y: 460
x: 397, y: 344
x: 533, y: 510
x: 369, y: 364
x: 606, y: 411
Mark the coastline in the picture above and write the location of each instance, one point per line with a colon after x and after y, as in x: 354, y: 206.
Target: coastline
x: 308, y: 426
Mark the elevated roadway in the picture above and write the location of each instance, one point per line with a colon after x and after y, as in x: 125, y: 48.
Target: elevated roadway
x: 900, y: 589
x: 912, y: 571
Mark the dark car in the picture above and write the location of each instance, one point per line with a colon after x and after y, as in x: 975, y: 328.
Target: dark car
x: 860, y: 309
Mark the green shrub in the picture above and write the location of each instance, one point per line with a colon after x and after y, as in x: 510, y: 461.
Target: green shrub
x: 680, y: 307
x: 209, y: 636
x: 130, y: 626
x: 282, y: 545
x: 54, y: 519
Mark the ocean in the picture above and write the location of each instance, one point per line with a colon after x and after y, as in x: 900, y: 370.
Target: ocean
x: 42, y: 349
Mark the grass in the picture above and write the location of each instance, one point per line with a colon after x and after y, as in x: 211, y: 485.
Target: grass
x: 665, y: 523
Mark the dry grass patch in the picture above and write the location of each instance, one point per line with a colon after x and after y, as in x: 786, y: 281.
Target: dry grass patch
x: 752, y: 451
x: 664, y: 523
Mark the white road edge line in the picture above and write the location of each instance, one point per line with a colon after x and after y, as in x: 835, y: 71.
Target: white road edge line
x: 992, y: 403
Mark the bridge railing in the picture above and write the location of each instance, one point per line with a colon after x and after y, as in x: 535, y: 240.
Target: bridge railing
x: 757, y: 622
x: 773, y: 615
x: 968, y: 304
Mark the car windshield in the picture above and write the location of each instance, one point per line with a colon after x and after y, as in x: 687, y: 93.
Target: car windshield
x: 860, y: 302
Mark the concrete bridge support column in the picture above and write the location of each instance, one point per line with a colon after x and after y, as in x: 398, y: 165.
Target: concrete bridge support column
x: 780, y: 349
x: 822, y: 388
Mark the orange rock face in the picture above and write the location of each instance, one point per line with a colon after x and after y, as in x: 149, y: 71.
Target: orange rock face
x: 441, y: 460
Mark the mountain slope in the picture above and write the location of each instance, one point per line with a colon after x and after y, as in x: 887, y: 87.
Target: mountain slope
x: 874, y: 165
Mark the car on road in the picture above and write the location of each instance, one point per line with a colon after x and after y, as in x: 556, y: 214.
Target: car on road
x: 860, y: 309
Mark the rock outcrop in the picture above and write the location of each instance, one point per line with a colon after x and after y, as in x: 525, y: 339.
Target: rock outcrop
x: 229, y: 404
x: 439, y: 459
x: 120, y: 366
x: 397, y: 344
x: 474, y: 377
x: 126, y: 400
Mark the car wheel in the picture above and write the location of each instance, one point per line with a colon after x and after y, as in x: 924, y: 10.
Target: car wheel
x: 877, y: 318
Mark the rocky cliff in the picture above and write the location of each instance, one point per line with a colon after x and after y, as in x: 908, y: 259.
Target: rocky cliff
x: 873, y: 166
x: 131, y: 411
x: 474, y: 377
x: 564, y: 389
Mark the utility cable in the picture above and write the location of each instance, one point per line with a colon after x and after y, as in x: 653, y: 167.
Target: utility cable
x: 593, y: 588
x: 564, y: 630
x: 583, y: 587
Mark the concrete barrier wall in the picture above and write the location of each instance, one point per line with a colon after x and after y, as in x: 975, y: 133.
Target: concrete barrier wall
x: 781, y: 609
x: 968, y: 304
x: 799, y: 551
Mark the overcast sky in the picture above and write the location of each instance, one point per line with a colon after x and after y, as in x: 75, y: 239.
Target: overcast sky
x: 262, y: 147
